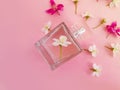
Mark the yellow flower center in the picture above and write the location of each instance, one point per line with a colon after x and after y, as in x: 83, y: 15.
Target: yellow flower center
x: 46, y: 27
x: 75, y: 1
x: 103, y: 21
x: 62, y: 40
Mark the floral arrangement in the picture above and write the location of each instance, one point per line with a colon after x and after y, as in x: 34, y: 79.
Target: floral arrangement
x: 62, y: 41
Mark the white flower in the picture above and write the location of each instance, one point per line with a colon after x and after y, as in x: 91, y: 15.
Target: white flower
x: 47, y: 27
x: 96, y: 70
x: 62, y: 41
x: 93, y: 50
x: 114, y: 3
x: 115, y: 48
x: 87, y: 15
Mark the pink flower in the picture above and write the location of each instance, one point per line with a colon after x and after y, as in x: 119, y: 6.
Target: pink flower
x: 118, y: 31
x: 55, y: 8
x: 112, y: 29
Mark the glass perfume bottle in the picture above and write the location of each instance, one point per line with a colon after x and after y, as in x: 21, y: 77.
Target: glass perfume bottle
x: 59, y: 45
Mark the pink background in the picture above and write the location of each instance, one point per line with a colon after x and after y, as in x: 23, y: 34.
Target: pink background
x: 21, y: 66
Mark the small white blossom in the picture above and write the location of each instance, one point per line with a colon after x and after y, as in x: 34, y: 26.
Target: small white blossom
x: 115, y: 48
x: 62, y: 41
x: 96, y: 70
x: 93, y: 50
x: 47, y: 27
x: 87, y: 15
x: 114, y: 3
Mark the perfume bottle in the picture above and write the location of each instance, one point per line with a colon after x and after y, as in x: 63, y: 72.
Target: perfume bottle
x: 59, y: 45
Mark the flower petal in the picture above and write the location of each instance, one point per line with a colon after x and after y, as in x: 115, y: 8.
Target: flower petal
x: 94, y: 74
x: 60, y: 7
x: 118, y: 31
x: 54, y: 8
x: 97, y: 74
x: 55, y: 44
x: 114, y: 24
x: 63, y: 38
x: 46, y: 31
x: 96, y: 70
x: 52, y: 2
x: 116, y: 48
x: 94, y: 54
x: 61, y: 41
x: 49, y: 24
x: 113, y: 45
x: 111, y: 5
x: 92, y: 48
x: 111, y: 28
x: 68, y: 42
x: 50, y: 11
x: 114, y: 3
x: 65, y: 44
x: 56, y: 40
x: 95, y: 66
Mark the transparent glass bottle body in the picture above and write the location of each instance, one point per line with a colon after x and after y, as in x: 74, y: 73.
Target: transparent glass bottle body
x: 52, y: 53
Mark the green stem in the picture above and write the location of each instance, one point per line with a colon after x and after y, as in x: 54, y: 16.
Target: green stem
x: 101, y: 23
x: 86, y: 50
x: 107, y: 4
x: 49, y: 29
x: 108, y: 48
x: 97, y: 26
x: 60, y: 51
x: 94, y: 70
x: 75, y: 8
